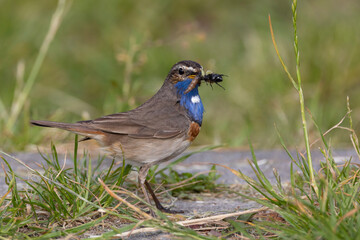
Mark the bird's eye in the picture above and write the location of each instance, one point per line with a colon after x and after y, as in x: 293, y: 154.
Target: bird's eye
x: 181, y: 71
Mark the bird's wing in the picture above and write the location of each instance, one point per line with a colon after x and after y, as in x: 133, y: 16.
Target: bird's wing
x: 141, y: 124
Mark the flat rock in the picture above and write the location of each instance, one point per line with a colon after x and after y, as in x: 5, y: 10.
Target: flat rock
x: 200, y: 162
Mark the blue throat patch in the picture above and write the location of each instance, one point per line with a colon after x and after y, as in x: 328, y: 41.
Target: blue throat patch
x: 191, y: 101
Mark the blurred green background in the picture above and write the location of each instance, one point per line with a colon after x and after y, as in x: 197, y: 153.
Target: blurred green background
x: 110, y: 56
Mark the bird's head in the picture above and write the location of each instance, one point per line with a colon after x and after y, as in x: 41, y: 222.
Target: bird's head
x: 187, y: 74
x: 185, y: 77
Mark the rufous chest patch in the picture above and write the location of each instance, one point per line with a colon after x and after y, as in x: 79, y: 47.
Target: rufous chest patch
x: 194, y: 130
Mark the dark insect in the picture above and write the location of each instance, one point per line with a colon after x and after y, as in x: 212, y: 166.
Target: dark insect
x: 208, y: 78
x: 213, y: 78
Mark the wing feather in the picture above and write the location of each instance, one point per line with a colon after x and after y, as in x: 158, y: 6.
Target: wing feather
x: 138, y: 127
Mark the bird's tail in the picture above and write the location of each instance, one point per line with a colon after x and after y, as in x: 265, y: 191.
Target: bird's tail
x: 77, y: 128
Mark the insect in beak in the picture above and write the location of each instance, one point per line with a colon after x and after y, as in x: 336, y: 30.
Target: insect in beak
x: 195, y: 81
x: 208, y: 77
x: 213, y: 78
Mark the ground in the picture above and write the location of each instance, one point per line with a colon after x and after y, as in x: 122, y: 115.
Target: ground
x: 195, y: 205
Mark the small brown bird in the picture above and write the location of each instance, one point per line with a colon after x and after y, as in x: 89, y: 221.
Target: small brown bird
x: 155, y: 132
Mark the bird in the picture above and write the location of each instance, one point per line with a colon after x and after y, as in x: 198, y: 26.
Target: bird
x: 155, y: 132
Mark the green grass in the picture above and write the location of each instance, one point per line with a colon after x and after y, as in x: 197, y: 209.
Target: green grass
x: 106, y: 58
x: 62, y: 201
x: 316, y: 205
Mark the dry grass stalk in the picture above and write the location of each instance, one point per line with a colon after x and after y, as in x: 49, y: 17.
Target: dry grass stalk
x: 144, y: 214
x: 199, y: 221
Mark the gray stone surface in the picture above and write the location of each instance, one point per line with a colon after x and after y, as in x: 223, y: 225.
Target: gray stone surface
x: 198, y: 162
x: 237, y: 160
x: 267, y: 161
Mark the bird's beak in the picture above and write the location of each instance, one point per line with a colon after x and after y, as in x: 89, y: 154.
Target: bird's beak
x: 195, y: 81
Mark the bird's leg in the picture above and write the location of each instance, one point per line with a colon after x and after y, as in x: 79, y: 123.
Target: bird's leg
x: 143, y: 171
x: 144, y: 183
x: 157, y: 202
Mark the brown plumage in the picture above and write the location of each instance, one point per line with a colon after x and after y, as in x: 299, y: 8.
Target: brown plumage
x: 157, y: 131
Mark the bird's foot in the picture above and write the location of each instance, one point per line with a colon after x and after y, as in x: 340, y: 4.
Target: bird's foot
x: 168, y: 210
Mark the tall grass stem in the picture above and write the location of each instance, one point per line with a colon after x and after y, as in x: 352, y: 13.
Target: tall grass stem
x: 297, y: 86
x: 18, y: 103
x: 302, y: 101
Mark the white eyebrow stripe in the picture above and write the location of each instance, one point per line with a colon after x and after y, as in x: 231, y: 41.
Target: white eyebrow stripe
x: 189, y: 68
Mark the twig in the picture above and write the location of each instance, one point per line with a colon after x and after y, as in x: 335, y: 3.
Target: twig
x: 184, y: 185
x: 332, y: 128
x: 107, y: 189
x: 199, y: 221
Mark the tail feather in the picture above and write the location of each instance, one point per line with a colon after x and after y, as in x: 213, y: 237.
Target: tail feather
x: 77, y: 128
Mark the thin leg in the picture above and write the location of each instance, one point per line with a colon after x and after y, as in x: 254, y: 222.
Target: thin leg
x: 156, y: 200
x: 142, y: 178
